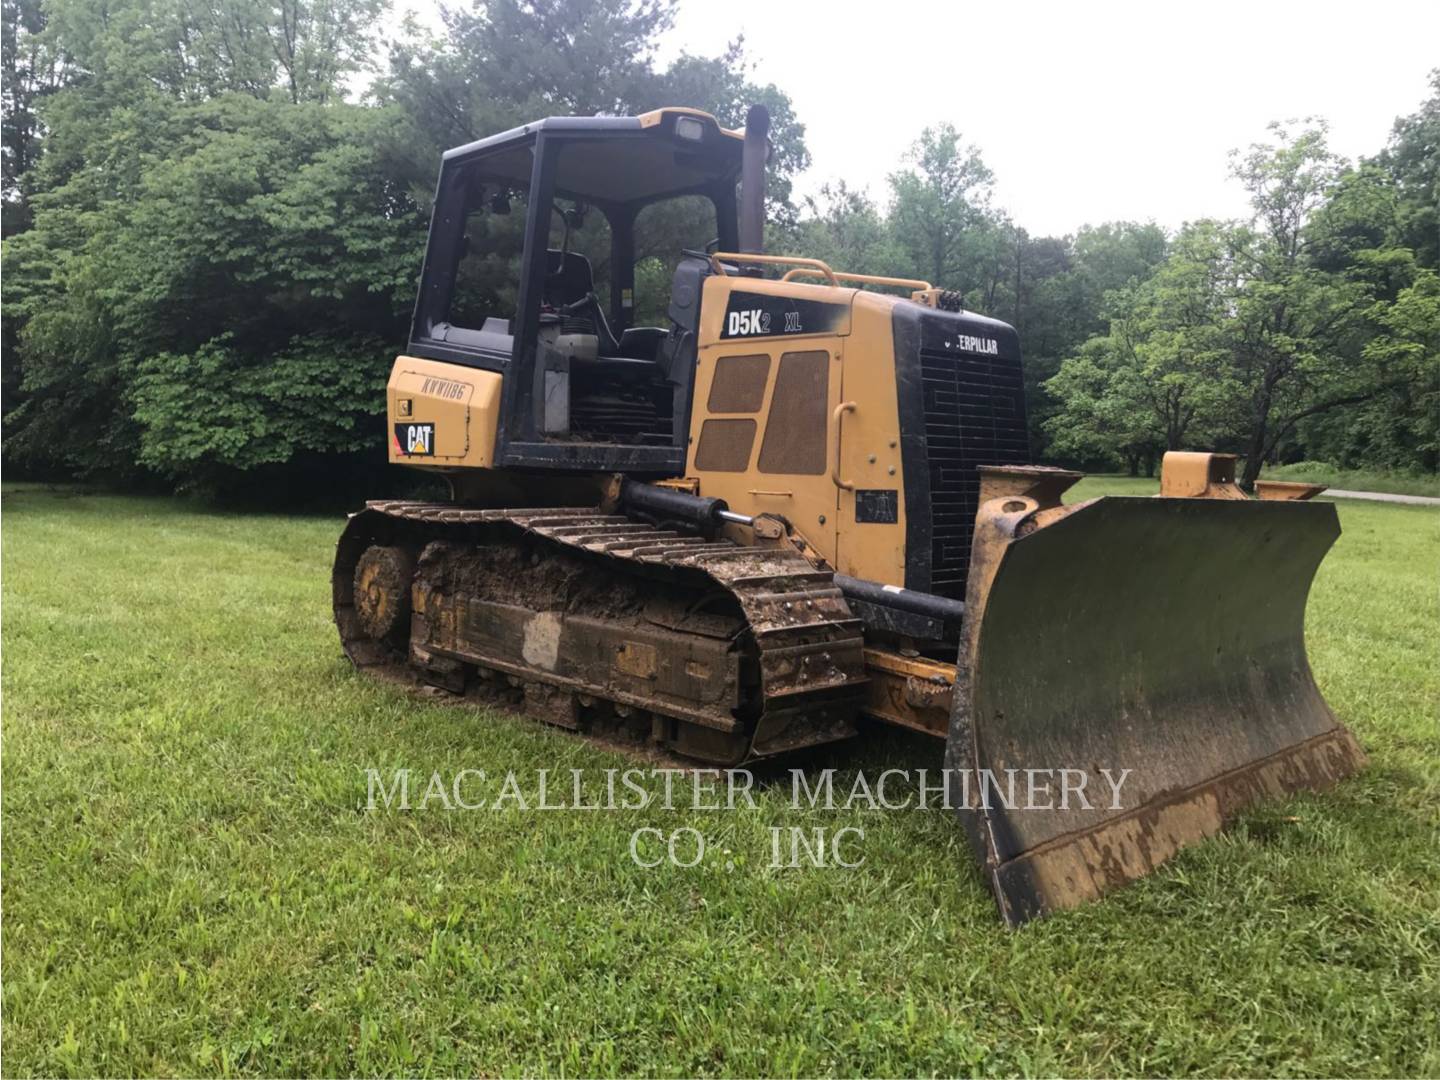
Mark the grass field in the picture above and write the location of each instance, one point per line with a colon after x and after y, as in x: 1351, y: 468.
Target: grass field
x: 192, y: 884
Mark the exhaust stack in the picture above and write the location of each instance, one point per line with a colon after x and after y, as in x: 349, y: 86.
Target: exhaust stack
x: 752, y: 180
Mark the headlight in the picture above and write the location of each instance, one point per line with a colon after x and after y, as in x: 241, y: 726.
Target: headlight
x: 687, y: 127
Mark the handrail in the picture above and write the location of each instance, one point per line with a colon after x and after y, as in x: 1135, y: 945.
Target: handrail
x: 865, y: 279
x: 816, y: 265
x: 803, y: 266
x: 840, y: 411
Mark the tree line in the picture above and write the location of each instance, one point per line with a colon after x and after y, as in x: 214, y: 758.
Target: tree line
x: 215, y: 213
x: 1310, y: 330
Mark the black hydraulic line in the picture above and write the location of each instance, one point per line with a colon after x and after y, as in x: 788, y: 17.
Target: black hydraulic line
x: 666, y: 504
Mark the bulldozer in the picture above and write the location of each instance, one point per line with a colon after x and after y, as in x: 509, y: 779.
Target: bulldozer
x: 772, y: 501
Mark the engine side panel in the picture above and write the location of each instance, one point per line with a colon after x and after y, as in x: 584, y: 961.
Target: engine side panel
x: 795, y: 413
x: 442, y: 415
x: 767, y: 381
x: 873, y: 508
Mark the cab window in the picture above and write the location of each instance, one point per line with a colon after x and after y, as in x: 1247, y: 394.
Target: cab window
x: 662, y: 231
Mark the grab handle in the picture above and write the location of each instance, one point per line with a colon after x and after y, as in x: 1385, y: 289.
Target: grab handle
x: 840, y: 410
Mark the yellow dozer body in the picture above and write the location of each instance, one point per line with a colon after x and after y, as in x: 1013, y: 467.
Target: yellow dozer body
x: 801, y: 501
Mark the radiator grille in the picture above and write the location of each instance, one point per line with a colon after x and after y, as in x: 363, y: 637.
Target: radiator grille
x: 974, y: 415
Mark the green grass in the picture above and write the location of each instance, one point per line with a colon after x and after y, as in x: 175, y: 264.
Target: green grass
x: 1394, y: 483
x: 191, y: 884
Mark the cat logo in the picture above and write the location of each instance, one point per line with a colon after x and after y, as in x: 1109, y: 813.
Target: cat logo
x: 415, y: 440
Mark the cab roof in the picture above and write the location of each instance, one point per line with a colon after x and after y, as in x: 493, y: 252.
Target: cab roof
x: 613, y: 159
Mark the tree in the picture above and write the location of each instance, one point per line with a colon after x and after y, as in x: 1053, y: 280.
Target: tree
x: 723, y: 85
x: 210, y: 252
x: 1400, y: 426
x: 1099, y: 421
x: 1408, y: 345
x: 506, y: 62
x: 1059, y: 296
x: 1250, y: 333
x: 846, y: 229
x: 1296, y: 333
x: 201, y: 192
x: 265, y: 223
x: 30, y: 72
x: 941, y: 216
x: 1160, y: 377
x: 225, y: 250
x: 1413, y: 159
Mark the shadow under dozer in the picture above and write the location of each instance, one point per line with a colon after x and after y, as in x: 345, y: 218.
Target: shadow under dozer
x: 1163, y: 636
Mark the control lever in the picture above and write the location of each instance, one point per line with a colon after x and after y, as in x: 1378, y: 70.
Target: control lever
x: 579, y: 305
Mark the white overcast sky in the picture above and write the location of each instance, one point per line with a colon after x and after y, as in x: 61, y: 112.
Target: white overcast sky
x: 1085, y: 112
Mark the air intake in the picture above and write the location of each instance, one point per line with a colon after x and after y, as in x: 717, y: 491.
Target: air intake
x: 974, y: 414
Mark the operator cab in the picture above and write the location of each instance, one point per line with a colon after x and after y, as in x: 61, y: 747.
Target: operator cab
x: 537, y: 239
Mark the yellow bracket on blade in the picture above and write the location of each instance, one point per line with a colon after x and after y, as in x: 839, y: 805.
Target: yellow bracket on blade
x: 1189, y: 475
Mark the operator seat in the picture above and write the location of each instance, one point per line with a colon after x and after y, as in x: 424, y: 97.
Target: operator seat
x: 568, y: 277
x: 676, y: 352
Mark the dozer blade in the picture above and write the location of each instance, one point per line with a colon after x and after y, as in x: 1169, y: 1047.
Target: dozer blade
x: 1163, y: 636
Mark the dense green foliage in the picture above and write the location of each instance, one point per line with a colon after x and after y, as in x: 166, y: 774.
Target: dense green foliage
x: 1311, y: 330
x: 216, y: 252
x: 192, y: 884
x: 215, y: 215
